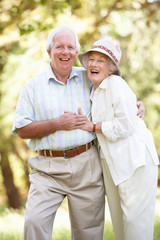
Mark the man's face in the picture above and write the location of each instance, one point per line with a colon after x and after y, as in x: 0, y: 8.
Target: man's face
x: 63, y: 52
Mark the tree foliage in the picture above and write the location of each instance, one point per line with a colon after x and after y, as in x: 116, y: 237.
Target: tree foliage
x: 24, y: 26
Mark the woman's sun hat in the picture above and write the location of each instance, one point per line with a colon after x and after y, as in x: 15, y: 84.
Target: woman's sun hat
x: 107, y: 47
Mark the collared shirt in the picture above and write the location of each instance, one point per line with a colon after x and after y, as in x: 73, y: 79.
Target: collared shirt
x: 44, y: 97
x: 125, y: 135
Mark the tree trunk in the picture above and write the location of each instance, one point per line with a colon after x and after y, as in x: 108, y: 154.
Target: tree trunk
x: 14, y: 198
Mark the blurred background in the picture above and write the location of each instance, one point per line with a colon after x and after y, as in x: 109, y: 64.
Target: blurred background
x: 24, y: 27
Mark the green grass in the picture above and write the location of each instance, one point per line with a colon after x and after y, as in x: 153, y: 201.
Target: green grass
x: 11, y: 224
x: 64, y: 233
x: 157, y: 228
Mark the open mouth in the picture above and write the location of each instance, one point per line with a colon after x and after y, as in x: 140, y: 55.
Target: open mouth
x: 94, y: 71
x: 65, y: 59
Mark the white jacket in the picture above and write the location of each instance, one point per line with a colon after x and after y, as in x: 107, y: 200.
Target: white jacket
x: 125, y: 135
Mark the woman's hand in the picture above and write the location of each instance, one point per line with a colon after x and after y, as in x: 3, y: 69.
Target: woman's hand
x: 88, y: 126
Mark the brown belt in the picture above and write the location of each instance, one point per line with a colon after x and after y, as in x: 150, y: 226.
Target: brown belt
x: 68, y: 153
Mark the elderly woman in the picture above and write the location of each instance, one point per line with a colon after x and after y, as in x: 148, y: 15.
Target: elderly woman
x: 126, y: 147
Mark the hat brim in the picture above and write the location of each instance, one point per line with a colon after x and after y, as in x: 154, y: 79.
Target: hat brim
x: 83, y: 58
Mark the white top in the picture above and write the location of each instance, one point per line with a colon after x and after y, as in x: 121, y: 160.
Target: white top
x: 125, y: 135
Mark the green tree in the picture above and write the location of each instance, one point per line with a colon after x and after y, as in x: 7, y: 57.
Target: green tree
x: 24, y: 26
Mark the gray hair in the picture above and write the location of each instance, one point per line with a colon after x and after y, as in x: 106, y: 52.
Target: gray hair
x: 56, y: 30
x: 113, y: 67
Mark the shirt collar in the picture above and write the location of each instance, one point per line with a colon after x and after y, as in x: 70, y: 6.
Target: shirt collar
x: 102, y: 85
x: 51, y: 75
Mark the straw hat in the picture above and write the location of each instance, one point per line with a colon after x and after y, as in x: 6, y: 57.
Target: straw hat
x: 107, y: 47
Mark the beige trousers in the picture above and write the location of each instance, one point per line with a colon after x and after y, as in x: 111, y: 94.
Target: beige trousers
x: 132, y: 203
x: 52, y: 179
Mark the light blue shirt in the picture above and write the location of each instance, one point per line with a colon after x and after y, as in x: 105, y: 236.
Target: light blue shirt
x: 44, y: 97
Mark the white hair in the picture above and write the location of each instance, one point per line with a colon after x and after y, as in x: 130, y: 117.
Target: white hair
x: 56, y: 30
x: 112, y: 66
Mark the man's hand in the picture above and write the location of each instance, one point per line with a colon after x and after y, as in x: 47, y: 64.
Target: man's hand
x: 141, y: 109
x: 70, y: 120
x: 39, y: 129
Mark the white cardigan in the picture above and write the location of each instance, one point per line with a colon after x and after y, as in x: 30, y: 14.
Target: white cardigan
x: 125, y: 135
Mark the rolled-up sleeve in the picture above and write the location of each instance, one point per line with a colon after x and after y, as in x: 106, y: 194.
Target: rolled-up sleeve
x: 24, y: 113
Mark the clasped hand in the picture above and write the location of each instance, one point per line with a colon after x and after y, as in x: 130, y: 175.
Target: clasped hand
x: 71, y: 120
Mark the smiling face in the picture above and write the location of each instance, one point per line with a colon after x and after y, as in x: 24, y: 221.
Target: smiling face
x: 63, y: 54
x: 98, y: 67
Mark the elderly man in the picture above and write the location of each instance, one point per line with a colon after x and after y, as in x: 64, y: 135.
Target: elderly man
x: 67, y: 163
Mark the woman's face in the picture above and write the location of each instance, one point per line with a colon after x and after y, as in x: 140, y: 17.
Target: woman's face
x: 98, y: 67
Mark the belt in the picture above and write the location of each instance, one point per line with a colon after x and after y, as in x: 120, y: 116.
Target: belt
x: 68, y: 153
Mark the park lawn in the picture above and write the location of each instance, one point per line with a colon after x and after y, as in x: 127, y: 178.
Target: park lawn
x: 11, y: 223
